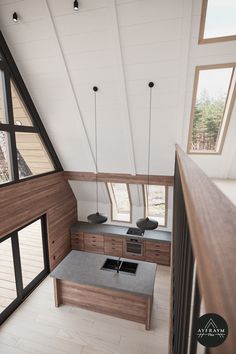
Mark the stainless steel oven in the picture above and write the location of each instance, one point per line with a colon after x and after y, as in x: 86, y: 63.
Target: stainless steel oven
x: 133, y: 246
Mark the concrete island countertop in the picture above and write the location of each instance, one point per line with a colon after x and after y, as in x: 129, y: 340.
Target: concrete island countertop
x: 85, y: 268
x: 115, y: 230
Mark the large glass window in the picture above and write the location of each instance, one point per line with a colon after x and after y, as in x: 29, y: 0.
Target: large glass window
x: 5, y: 163
x: 25, y: 149
x: 214, y: 96
x: 23, y: 263
x: 3, y: 112
x: 7, y: 275
x: 20, y: 113
x: 20, y: 140
x: 155, y: 197
x: 31, y: 155
x: 31, y: 251
x: 218, y: 21
x: 120, y: 201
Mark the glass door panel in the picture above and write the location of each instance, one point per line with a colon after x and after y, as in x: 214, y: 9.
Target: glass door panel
x: 31, y: 251
x: 23, y: 264
x: 7, y: 275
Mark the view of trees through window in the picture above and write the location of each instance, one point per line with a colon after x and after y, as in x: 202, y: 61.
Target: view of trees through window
x: 26, y: 145
x: 5, y: 173
x: 121, y: 208
x: 210, y: 109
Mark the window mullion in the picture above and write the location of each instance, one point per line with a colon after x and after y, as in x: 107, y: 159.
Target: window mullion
x: 17, y: 265
x: 10, y: 129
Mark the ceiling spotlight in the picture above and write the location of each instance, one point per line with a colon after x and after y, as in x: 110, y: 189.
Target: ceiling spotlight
x: 76, y: 5
x: 15, y: 17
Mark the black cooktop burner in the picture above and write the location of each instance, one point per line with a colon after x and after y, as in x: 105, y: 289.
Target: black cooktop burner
x: 135, y: 231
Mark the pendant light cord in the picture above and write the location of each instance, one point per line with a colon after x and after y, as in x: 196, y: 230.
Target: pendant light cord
x: 149, y: 139
x: 96, y: 142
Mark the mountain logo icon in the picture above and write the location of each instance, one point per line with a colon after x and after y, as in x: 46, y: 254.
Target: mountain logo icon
x: 211, y: 330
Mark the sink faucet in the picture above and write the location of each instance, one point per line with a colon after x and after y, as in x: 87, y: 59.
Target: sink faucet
x: 118, y: 265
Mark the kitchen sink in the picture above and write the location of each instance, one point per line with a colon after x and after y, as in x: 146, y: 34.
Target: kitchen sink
x: 120, y: 266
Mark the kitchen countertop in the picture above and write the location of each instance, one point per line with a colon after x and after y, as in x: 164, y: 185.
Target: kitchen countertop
x: 85, y: 268
x: 115, y: 230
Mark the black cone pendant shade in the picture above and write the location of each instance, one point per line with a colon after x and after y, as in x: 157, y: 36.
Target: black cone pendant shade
x: 146, y: 223
x: 96, y: 218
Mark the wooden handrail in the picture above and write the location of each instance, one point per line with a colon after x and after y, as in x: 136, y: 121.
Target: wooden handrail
x: 212, y: 224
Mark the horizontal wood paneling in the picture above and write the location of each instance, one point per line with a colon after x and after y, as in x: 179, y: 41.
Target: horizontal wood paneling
x: 118, y: 178
x: 50, y: 195
x: 116, y: 303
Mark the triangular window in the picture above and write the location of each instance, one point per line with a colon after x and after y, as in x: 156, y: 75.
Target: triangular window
x: 25, y: 149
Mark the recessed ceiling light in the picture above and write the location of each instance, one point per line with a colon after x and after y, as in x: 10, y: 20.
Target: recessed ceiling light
x: 15, y: 17
x: 76, y: 5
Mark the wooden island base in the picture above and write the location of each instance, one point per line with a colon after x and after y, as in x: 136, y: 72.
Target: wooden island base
x: 110, y: 302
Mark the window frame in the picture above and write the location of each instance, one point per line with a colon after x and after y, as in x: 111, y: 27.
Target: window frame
x: 11, y: 73
x: 201, y: 39
x: 111, y: 190
x: 145, y: 200
x: 226, y: 119
x: 21, y: 291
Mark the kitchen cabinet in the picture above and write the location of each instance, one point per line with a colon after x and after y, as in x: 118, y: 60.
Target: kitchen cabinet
x: 77, y: 241
x: 153, y: 250
x: 157, y: 252
x: 93, y: 243
x: 113, y: 246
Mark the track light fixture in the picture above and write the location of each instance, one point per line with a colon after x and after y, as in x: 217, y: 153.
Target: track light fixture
x: 76, y: 5
x: 15, y: 17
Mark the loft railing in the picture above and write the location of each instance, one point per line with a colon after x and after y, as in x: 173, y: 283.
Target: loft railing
x: 203, y: 258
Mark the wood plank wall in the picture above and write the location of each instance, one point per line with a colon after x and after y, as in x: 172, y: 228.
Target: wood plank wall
x: 51, y: 195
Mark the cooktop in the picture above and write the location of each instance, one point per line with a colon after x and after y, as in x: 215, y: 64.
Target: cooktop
x: 135, y: 231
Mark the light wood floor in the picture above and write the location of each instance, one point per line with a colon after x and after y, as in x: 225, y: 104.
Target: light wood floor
x: 37, y: 327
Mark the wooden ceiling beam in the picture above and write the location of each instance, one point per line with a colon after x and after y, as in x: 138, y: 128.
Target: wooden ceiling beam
x: 118, y: 178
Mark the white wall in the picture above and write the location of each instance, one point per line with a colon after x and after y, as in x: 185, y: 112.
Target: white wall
x: 85, y: 193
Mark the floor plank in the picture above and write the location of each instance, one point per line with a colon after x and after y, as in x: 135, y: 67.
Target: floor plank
x: 39, y: 327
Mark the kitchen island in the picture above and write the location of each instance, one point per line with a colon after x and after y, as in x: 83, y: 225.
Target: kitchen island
x: 80, y: 280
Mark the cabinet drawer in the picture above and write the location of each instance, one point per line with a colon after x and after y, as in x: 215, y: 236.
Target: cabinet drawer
x: 158, y: 257
x: 114, y: 239
x: 153, y: 246
x: 93, y: 243
x: 113, y: 246
x: 77, y: 241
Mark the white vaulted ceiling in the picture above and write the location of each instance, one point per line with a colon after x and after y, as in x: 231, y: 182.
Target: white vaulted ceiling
x: 119, y: 46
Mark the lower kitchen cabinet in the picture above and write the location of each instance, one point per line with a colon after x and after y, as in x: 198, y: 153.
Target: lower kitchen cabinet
x: 113, y: 246
x: 157, y: 252
x: 153, y: 251
x: 93, y: 243
x: 77, y: 241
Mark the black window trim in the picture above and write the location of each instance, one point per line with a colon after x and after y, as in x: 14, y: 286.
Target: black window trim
x: 11, y: 72
x: 23, y: 293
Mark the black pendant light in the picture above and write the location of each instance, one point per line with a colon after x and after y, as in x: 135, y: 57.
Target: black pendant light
x: 96, y: 218
x: 146, y: 223
x: 76, y: 5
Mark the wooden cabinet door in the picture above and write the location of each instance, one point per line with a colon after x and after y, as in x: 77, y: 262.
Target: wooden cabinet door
x: 77, y: 241
x: 157, y: 252
x: 113, y: 246
x: 93, y: 243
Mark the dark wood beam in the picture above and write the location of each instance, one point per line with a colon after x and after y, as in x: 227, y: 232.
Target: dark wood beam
x: 118, y: 178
